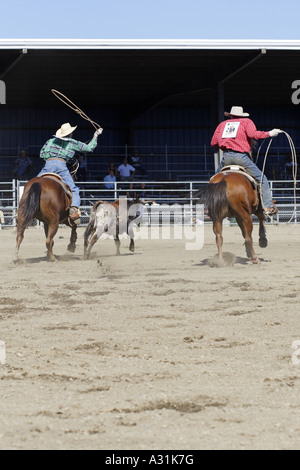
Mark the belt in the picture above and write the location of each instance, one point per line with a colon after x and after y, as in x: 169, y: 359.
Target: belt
x: 230, y: 150
x: 54, y: 158
x: 236, y: 151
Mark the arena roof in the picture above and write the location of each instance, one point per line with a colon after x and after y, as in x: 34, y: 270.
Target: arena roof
x: 150, y: 44
x: 139, y: 74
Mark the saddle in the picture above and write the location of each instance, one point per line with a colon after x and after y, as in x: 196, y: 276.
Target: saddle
x: 55, y: 177
x: 239, y: 169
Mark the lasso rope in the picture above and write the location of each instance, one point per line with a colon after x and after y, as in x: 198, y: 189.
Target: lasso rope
x: 294, y: 164
x: 74, y: 107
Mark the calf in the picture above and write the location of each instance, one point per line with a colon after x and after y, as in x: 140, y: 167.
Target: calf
x: 114, y: 219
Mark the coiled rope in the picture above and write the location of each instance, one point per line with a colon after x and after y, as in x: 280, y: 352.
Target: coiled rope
x: 294, y: 165
x: 74, y: 107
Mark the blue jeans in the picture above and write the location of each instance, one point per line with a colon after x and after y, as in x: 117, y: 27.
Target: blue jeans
x: 60, y: 168
x: 242, y: 159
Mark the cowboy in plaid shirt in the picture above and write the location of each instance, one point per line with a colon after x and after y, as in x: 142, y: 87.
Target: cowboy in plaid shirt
x: 58, y: 151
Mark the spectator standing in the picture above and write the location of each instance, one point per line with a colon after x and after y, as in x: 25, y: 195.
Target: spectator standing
x: 23, y: 166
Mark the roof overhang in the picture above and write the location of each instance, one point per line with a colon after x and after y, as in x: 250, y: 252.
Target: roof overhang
x: 179, y: 44
x: 135, y: 75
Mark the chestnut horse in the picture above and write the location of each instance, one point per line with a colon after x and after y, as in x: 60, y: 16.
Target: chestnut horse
x: 232, y: 194
x: 45, y: 199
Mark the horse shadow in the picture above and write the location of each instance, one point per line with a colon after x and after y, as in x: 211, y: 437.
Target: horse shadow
x: 40, y: 259
x: 230, y: 261
x: 96, y: 255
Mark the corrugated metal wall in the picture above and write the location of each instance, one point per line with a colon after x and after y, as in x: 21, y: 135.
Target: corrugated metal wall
x: 177, y: 128
x: 176, y: 140
x: 187, y: 134
x: 173, y: 137
x: 32, y: 127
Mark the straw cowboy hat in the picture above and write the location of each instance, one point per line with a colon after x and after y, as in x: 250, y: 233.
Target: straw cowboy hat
x: 237, y: 111
x: 65, y: 130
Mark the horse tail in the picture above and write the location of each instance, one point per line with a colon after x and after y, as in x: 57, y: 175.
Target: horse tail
x: 92, y: 222
x: 214, y: 198
x: 30, y: 205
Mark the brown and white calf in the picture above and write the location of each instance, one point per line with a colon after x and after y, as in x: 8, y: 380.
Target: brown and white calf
x: 113, y: 219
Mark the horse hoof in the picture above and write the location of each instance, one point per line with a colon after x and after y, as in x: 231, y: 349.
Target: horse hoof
x: 131, y: 249
x: 71, y: 248
x: 255, y: 260
x: 263, y: 242
x: 16, y: 260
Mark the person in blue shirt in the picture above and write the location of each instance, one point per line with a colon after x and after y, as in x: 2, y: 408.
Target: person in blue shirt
x: 110, y: 179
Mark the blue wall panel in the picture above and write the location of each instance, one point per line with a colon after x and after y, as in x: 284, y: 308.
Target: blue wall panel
x: 157, y: 127
x: 183, y: 134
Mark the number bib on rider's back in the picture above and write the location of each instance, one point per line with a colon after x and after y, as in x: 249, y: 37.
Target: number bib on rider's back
x: 230, y: 130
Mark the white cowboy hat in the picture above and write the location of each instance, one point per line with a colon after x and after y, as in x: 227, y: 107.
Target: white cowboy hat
x: 237, y: 111
x: 65, y: 130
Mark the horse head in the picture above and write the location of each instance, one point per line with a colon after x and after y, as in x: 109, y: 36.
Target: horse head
x: 73, y: 165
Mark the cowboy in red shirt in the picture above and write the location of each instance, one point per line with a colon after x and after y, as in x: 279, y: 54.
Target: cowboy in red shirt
x: 234, y: 136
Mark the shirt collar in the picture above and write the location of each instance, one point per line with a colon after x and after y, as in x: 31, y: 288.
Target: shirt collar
x: 66, y: 139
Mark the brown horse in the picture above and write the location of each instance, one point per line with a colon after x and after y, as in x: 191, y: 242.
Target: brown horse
x: 45, y: 199
x: 232, y: 194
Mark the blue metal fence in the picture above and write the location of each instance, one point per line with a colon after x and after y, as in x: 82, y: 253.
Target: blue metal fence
x: 162, y: 193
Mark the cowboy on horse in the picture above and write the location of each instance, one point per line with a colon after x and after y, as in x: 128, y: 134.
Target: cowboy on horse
x: 57, y: 152
x: 234, y: 136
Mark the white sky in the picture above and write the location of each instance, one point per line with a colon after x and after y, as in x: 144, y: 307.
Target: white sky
x: 154, y: 19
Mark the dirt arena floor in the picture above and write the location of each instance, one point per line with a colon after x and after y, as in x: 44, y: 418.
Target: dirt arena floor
x: 151, y: 350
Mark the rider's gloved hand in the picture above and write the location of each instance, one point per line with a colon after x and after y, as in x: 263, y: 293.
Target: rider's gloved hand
x: 275, y: 132
x: 98, y: 132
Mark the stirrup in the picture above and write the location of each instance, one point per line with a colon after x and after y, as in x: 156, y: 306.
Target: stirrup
x: 271, y: 210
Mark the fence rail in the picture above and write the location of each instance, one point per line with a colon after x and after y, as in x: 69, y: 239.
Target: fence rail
x: 156, y: 195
